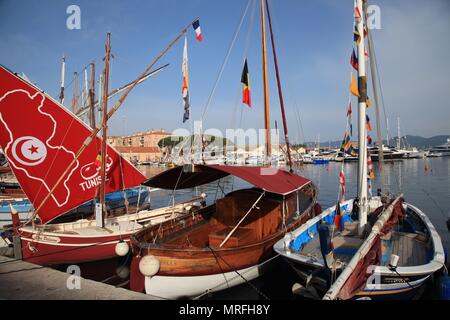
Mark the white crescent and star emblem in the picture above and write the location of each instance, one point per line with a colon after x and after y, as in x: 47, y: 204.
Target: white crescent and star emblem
x: 29, y: 151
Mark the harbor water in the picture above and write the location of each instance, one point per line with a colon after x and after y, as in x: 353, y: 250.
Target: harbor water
x: 425, y: 183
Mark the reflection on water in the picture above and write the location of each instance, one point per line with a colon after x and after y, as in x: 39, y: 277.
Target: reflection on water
x: 424, y: 182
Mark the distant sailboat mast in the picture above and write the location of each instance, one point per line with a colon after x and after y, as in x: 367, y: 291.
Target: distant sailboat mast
x: 85, y: 92
x: 362, y: 104
x: 104, y: 126
x: 100, y: 96
x: 92, y: 97
x: 387, y: 131
x: 75, y: 106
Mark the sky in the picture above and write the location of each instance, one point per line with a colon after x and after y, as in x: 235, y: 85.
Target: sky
x: 314, y: 39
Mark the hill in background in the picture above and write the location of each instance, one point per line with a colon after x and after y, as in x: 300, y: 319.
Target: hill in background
x: 409, y: 140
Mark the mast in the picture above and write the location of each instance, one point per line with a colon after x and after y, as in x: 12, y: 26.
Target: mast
x: 100, y: 96
x: 84, y: 93
x: 266, y: 84
x: 72, y: 106
x: 280, y: 93
x: 85, y: 89
x: 387, y: 131
x: 374, y: 75
x: 362, y: 103
x: 63, y: 75
x: 104, y: 127
x: 76, y: 93
x: 398, y: 133
x: 92, y: 97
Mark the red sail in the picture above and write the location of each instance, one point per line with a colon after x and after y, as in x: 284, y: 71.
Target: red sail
x: 40, y: 139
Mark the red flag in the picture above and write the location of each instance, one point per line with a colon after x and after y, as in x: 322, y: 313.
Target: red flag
x: 349, y: 110
x: 342, y: 185
x: 357, y: 13
x: 40, y: 139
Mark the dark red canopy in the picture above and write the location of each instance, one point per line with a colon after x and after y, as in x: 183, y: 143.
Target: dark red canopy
x: 269, y: 179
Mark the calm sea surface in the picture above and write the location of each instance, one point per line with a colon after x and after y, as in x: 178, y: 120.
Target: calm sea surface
x: 424, y: 182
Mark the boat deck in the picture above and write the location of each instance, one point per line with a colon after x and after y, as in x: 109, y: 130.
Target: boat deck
x: 124, y: 226
x: 412, y: 252
x: 345, y: 247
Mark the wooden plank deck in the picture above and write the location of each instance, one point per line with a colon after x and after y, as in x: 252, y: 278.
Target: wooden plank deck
x: 411, y: 251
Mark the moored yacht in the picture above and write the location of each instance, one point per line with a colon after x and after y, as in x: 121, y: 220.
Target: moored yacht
x: 389, y: 153
x: 442, y: 150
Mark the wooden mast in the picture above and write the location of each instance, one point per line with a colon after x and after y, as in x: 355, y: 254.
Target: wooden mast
x: 72, y: 106
x: 104, y: 127
x: 75, y: 110
x: 266, y: 84
x: 92, y: 97
x: 280, y: 93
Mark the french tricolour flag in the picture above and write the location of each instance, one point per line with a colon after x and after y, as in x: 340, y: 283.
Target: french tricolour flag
x: 198, y: 31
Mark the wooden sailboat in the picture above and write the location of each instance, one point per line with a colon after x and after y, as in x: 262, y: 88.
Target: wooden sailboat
x: 54, y: 157
x: 230, y: 241
x: 225, y: 243
x: 371, y: 247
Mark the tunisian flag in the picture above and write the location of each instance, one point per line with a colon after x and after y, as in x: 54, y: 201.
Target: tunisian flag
x: 40, y: 139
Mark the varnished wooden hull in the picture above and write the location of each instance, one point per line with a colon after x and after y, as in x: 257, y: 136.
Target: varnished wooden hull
x: 212, y: 261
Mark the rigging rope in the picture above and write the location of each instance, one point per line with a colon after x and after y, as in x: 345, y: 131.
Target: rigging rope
x: 238, y: 275
x: 219, y: 76
x: 246, y: 49
x: 294, y: 105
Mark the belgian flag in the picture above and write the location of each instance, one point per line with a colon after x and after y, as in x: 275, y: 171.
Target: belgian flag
x: 369, y: 125
x: 246, y: 97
